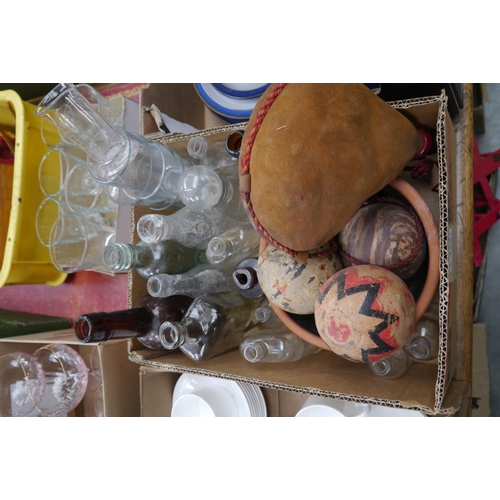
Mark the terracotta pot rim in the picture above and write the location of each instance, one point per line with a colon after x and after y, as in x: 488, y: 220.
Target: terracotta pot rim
x: 431, y: 231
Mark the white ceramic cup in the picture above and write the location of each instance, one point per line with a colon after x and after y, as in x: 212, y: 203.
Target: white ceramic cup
x: 213, y: 401
x: 316, y: 406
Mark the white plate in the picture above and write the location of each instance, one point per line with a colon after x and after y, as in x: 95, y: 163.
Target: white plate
x: 255, y: 398
x: 260, y: 399
x: 189, y: 382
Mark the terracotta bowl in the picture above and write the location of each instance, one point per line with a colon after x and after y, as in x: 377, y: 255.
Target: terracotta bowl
x: 412, y: 196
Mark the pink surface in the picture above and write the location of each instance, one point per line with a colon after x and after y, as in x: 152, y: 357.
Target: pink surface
x: 82, y: 292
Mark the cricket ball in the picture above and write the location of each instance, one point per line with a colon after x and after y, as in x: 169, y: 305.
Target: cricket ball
x: 364, y: 313
x: 386, y: 235
x: 293, y: 286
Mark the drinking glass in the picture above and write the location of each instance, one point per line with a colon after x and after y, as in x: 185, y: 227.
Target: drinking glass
x: 53, y: 169
x: 51, y: 136
x: 76, y: 242
x: 78, y: 121
x: 83, y: 194
x: 111, y: 113
x: 48, y: 212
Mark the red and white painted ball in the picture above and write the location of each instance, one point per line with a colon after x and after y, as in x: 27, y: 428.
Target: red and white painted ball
x: 291, y: 285
x: 365, y: 313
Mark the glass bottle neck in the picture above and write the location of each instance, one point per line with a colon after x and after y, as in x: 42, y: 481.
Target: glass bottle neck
x: 154, y: 227
x: 121, y: 256
x: 255, y: 351
x: 219, y: 248
x: 420, y: 348
x: 175, y: 333
x: 382, y: 367
x: 102, y: 326
x: 197, y: 147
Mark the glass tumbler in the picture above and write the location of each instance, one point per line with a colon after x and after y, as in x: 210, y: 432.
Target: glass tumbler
x: 150, y: 177
x: 53, y: 169
x: 52, y: 138
x: 46, y: 215
x: 111, y: 113
x: 79, y: 122
x: 83, y: 194
x: 76, y: 242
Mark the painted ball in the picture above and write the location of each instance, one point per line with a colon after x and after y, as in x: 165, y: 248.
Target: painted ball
x: 365, y: 313
x: 291, y: 285
x: 386, y: 235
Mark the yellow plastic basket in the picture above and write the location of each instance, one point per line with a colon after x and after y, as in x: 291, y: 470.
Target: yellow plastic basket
x: 25, y: 259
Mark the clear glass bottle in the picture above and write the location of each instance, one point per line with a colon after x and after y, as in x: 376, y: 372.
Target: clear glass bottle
x: 423, y: 343
x: 234, y: 245
x: 275, y: 346
x: 267, y: 318
x: 211, y: 154
x: 213, y: 325
x: 200, y: 280
x: 392, y: 367
x: 142, y: 322
x: 191, y: 228
x: 149, y: 259
x: 201, y: 187
x: 245, y: 279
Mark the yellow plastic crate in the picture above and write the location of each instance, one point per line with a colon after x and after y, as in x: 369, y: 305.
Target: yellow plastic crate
x: 23, y: 258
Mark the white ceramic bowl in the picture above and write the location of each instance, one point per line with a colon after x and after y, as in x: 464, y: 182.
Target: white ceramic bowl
x: 316, y: 406
x: 214, y: 401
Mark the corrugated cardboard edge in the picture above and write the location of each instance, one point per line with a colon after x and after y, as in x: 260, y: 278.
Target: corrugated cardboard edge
x: 443, y: 237
x: 165, y: 139
x: 444, y: 267
x: 408, y: 405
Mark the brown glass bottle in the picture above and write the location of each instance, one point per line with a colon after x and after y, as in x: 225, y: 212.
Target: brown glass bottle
x: 142, y: 322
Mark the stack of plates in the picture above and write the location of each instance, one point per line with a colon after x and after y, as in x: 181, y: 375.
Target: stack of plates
x: 233, y: 102
x: 201, y: 396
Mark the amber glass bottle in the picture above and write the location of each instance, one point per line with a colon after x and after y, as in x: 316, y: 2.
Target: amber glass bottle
x: 142, y: 322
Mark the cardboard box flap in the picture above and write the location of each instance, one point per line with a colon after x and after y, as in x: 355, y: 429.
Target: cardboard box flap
x: 323, y: 373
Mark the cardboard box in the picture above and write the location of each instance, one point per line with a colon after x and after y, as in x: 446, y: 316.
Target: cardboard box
x: 425, y: 386
x: 157, y: 386
x: 120, y: 377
